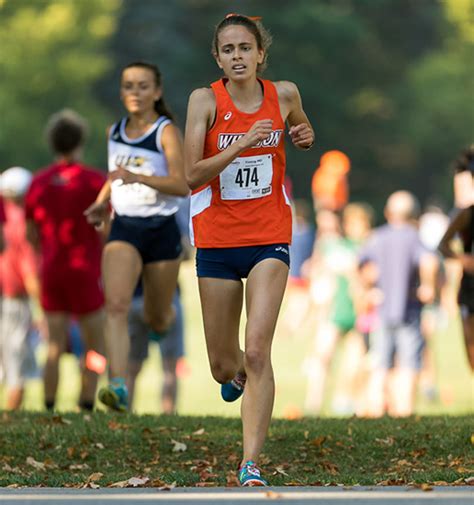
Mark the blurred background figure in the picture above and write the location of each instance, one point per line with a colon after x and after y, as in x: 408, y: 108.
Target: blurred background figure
x: 70, y: 250
x: 462, y: 225
x: 297, y: 292
x: 463, y: 170
x: 3, y: 218
x: 21, y: 290
x: 339, y: 261
x: 171, y: 349
x: 172, y: 344
x: 432, y: 225
x: 406, y: 276
x: 330, y: 185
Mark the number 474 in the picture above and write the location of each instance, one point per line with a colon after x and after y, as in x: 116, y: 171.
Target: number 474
x: 246, y: 176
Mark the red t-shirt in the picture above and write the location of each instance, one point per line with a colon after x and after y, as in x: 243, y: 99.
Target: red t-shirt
x: 18, y: 260
x: 56, y: 201
x: 2, y: 211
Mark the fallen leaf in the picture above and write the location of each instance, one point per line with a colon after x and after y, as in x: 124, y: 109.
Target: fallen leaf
x: 206, y: 484
x: 114, y: 425
x: 99, y: 445
x: 201, y: 431
x: 132, y: 482
x: 35, y: 464
x: 178, y: 446
x: 280, y: 471
x: 273, y: 496
x: 426, y: 487
x: 84, y: 466
x: 318, y: 441
x: 60, y: 420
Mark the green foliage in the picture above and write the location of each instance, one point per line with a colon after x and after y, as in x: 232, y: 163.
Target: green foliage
x: 387, y: 81
x: 51, y: 54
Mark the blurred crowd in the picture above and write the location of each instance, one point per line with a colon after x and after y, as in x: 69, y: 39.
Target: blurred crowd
x: 385, y: 290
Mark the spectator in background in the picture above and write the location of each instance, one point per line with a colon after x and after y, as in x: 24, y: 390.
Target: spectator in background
x: 406, y: 274
x: 2, y: 222
x: 338, y: 255
x: 19, y: 277
x: 431, y: 227
x: 463, y: 170
x: 330, y: 187
x: 171, y: 349
x: 463, y: 225
x: 70, y: 250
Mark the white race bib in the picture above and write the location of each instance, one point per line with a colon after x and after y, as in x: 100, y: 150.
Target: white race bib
x: 246, y: 178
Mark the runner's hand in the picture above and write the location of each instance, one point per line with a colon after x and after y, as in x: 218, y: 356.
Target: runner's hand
x: 97, y: 213
x: 259, y: 131
x: 302, y: 136
x: 124, y: 175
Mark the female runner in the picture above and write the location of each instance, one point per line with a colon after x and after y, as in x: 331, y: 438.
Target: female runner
x: 241, y: 218
x: 146, y: 178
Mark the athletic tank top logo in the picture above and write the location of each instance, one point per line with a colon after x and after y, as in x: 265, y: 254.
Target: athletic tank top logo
x: 130, y: 161
x: 224, y: 140
x: 228, y: 116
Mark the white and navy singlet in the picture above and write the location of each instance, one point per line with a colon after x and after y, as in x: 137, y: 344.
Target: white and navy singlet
x: 143, y: 155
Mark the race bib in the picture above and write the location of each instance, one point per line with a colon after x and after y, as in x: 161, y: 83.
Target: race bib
x: 246, y: 178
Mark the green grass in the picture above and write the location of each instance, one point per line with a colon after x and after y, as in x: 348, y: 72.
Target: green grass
x: 199, y: 394
x: 71, y: 447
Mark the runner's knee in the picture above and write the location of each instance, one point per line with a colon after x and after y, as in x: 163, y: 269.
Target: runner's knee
x: 256, y: 360
x: 223, y: 371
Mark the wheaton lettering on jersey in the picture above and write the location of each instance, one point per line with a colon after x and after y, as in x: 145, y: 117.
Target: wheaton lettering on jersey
x: 225, y: 140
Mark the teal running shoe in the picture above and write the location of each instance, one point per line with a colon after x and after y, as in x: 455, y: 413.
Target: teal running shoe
x: 233, y: 390
x: 249, y: 475
x: 115, y: 395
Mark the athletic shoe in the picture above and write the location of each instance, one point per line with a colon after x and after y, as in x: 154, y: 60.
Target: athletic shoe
x: 249, y: 475
x: 115, y: 395
x: 231, y: 391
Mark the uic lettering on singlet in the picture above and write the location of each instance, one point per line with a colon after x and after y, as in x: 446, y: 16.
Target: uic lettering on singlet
x: 225, y: 140
x: 129, y: 160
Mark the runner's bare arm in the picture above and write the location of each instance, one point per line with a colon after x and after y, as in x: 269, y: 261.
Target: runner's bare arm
x: 201, y: 110
x: 98, y: 212
x: 301, y: 131
x: 172, y: 184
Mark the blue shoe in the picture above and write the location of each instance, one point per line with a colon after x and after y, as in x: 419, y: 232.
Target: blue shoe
x: 233, y: 390
x: 115, y: 395
x: 249, y: 475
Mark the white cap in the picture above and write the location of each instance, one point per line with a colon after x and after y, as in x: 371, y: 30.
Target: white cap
x: 15, y: 181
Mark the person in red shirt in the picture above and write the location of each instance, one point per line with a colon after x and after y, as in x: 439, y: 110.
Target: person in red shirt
x: 2, y: 222
x: 20, y: 283
x: 241, y: 218
x: 70, y: 249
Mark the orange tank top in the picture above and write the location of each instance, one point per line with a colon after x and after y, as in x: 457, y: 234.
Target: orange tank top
x: 246, y: 204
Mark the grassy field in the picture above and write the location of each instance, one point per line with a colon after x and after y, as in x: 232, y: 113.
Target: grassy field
x: 102, y: 449
x: 199, y: 394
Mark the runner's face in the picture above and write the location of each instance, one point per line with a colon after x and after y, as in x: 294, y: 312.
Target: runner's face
x: 138, y: 90
x: 238, y: 54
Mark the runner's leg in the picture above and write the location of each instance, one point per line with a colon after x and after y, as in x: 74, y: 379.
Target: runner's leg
x: 160, y: 279
x: 92, y: 331
x: 121, y: 269
x: 221, y: 302
x: 264, y: 293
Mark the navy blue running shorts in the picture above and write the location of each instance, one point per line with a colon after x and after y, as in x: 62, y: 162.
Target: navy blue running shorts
x: 236, y: 262
x: 157, y: 238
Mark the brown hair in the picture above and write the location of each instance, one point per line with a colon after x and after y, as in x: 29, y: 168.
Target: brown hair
x: 160, y: 106
x: 254, y: 26
x: 65, y: 131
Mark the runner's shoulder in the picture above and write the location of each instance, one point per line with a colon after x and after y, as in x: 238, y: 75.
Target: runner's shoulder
x: 286, y: 90
x: 204, y: 97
